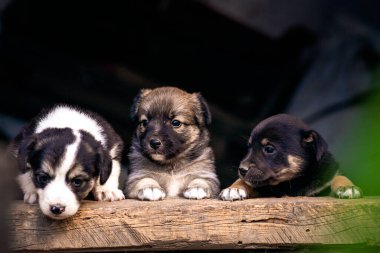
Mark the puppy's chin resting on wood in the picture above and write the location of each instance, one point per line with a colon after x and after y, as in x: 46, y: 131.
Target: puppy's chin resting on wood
x: 170, y: 154
x: 287, y: 158
x: 63, y: 155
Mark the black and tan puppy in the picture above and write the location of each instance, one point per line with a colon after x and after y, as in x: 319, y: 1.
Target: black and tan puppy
x: 170, y: 154
x: 287, y: 158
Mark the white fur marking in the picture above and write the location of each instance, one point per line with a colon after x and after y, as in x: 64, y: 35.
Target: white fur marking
x: 64, y: 116
x: 114, y: 151
x: 151, y: 193
x: 351, y: 192
x: 232, y: 194
x: 195, y: 193
x: 174, y: 185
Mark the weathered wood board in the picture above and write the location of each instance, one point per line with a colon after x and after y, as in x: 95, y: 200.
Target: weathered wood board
x: 177, y: 224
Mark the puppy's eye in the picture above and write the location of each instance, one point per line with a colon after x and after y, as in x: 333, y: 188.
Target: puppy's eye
x: 144, y: 122
x: 176, y: 123
x: 77, y: 182
x: 43, y: 178
x: 269, y: 149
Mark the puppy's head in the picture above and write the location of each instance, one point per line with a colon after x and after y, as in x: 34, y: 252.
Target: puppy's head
x: 171, y: 123
x: 280, y: 149
x: 64, y: 166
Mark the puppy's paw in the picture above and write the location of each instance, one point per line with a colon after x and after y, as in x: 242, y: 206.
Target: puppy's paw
x: 196, y: 193
x: 151, y: 193
x: 30, y: 197
x: 109, y: 195
x: 232, y: 194
x: 349, y: 192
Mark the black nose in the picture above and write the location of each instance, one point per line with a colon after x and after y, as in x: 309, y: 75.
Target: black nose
x: 243, y: 171
x: 57, y: 209
x: 155, y: 143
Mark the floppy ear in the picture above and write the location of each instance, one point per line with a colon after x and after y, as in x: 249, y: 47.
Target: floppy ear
x: 205, y: 111
x: 25, y: 148
x: 136, y: 103
x: 313, y: 138
x: 104, y: 163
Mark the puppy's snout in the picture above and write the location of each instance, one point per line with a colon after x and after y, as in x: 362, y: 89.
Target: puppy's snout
x: 155, y: 143
x: 243, y: 171
x: 57, y: 209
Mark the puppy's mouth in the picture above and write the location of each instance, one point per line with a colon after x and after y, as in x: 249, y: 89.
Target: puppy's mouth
x: 255, y: 177
x: 158, y: 156
x: 256, y: 183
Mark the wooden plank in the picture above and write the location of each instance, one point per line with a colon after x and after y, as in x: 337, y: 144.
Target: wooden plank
x: 205, y: 224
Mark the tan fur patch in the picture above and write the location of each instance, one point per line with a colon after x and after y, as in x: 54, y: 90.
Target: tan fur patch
x: 264, y: 141
x: 288, y: 173
x: 76, y: 171
x: 47, y: 168
x: 240, y: 184
x: 340, y: 181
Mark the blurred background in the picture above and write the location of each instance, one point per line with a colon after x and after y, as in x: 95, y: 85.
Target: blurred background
x: 250, y: 59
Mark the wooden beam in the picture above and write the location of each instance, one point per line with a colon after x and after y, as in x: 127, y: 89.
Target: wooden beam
x: 204, y: 224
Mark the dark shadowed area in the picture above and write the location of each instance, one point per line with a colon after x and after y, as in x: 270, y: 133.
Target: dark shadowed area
x: 249, y: 59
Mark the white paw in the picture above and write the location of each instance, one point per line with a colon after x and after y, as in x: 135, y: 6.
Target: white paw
x: 196, y: 193
x: 30, y: 197
x: 232, y: 194
x: 151, y: 193
x: 111, y: 195
x: 350, y: 192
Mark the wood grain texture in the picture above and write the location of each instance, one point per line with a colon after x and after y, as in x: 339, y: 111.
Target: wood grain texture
x: 199, y: 224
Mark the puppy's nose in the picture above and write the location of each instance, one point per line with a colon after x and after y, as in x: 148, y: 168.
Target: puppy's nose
x: 243, y: 171
x: 57, y: 209
x: 155, y: 143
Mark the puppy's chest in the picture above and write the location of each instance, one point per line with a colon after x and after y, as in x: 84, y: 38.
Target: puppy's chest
x: 174, y: 184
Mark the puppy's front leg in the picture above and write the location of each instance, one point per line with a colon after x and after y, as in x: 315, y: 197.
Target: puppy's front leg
x: 27, y: 187
x: 343, y: 188
x: 237, y: 191
x: 198, y: 189
x: 109, y: 191
x: 146, y: 189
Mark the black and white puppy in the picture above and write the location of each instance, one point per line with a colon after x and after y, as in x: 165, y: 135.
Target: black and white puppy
x: 287, y: 158
x: 64, y: 154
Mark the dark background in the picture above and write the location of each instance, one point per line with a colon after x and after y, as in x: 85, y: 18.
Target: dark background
x: 250, y: 59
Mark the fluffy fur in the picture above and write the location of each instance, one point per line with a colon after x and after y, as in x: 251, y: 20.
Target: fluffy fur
x: 170, y: 154
x: 287, y: 158
x: 63, y: 155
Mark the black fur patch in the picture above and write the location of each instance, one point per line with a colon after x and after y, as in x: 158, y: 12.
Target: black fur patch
x: 48, y: 148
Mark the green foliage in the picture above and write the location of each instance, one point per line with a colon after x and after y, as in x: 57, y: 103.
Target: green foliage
x: 361, y: 147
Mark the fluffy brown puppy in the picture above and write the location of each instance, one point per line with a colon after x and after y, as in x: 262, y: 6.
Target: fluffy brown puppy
x: 287, y: 158
x: 170, y: 154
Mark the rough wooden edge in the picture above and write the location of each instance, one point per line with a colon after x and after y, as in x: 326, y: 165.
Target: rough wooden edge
x: 176, y: 224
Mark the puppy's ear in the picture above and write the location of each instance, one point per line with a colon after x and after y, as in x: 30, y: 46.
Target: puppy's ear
x: 104, y: 163
x: 205, y: 111
x: 25, y: 148
x: 136, y: 103
x: 314, y: 139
